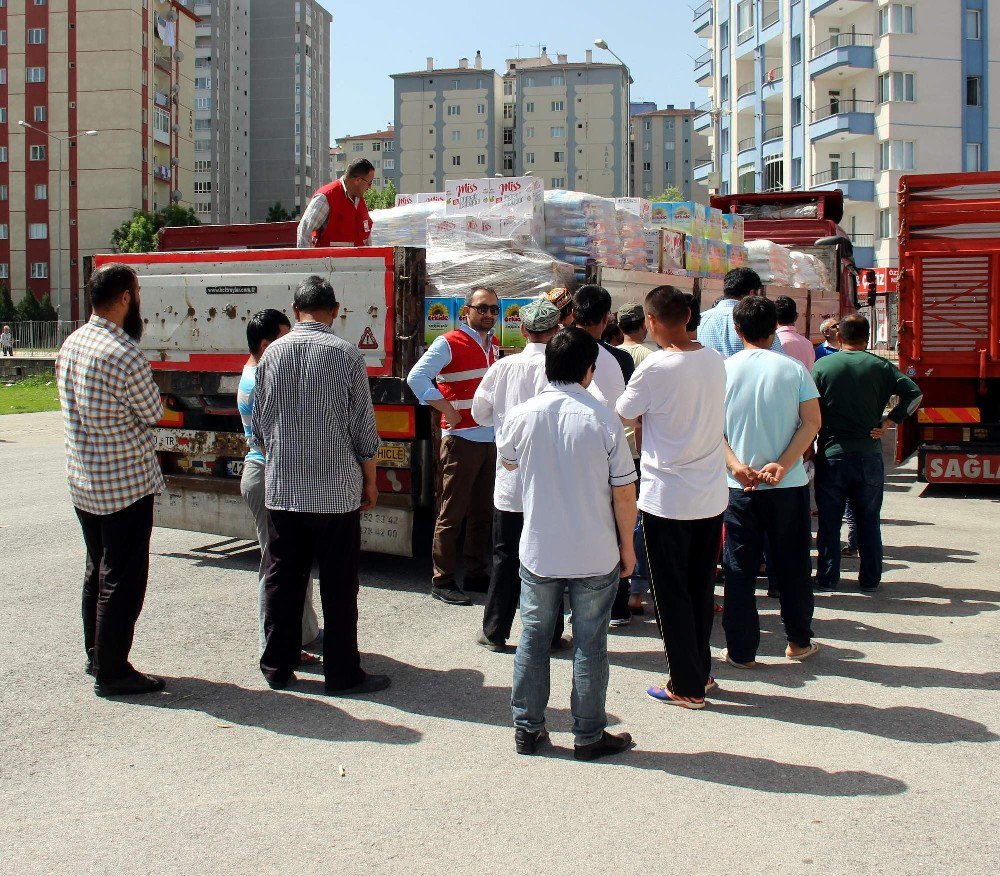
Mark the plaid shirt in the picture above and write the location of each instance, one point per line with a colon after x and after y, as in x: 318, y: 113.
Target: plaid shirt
x: 313, y: 416
x: 718, y: 332
x: 109, y: 402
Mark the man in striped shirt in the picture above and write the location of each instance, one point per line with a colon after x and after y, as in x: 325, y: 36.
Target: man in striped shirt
x: 314, y: 420
x: 109, y: 402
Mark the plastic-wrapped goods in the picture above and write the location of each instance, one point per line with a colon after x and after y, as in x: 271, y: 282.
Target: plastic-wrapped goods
x: 809, y: 272
x: 419, y: 198
x: 713, y: 224
x: 779, y: 211
x: 404, y: 226
x: 639, y: 206
x: 581, y: 229
x: 632, y: 239
x: 732, y: 228
x: 717, y: 258
x: 499, y: 198
x: 688, y: 217
x: 736, y: 255
x: 772, y: 261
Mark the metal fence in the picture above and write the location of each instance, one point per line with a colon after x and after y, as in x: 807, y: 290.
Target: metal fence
x: 36, y: 335
x: 883, y: 319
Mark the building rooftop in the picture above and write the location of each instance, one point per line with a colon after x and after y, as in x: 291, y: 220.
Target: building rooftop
x: 374, y: 135
x: 686, y: 111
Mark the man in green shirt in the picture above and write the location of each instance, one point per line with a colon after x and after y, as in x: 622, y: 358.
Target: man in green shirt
x: 854, y: 388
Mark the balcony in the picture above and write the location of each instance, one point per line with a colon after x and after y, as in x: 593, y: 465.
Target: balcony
x: 776, y: 132
x: 772, y: 79
x: 703, y: 122
x: 770, y: 15
x: 847, y: 118
x: 866, y: 241
x: 703, y: 167
x: 837, y: 8
x: 161, y: 99
x: 857, y: 183
x: 846, y: 51
x: 161, y: 61
x: 703, y: 18
x: 746, y: 96
x: 746, y: 144
x: 162, y: 172
x: 703, y: 67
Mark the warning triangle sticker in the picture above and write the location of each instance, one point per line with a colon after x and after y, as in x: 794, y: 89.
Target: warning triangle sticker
x: 368, y: 340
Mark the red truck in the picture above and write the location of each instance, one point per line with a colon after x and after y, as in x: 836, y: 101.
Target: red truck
x: 949, y: 324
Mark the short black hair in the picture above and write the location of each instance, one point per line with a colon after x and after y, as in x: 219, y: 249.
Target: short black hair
x: 591, y: 303
x: 569, y: 354
x: 471, y: 293
x: 265, y: 326
x: 787, y: 311
x: 631, y: 324
x: 109, y: 282
x: 695, y: 319
x: 740, y: 282
x: 359, y: 167
x: 667, y: 305
x: 756, y: 317
x: 855, y: 328
x: 315, y: 294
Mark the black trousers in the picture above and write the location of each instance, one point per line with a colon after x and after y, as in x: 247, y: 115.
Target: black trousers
x: 295, y: 539
x: 504, y: 592
x: 682, y: 555
x: 114, y: 583
x: 782, y: 517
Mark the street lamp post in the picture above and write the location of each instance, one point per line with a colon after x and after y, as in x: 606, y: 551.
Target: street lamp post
x: 601, y: 43
x: 59, y: 210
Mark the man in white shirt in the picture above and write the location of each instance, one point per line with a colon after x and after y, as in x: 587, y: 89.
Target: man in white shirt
x: 680, y: 394
x: 592, y: 313
x: 508, y: 382
x: 576, y: 477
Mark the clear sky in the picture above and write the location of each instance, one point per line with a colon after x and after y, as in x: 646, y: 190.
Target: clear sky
x: 368, y: 43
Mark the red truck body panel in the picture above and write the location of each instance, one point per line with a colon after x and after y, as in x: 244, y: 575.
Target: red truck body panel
x: 258, y: 235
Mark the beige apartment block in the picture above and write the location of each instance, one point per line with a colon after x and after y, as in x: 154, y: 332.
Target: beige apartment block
x: 379, y: 147
x: 101, y: 67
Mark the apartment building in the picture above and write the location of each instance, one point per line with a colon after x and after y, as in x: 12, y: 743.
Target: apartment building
x: 846, y: 94
x: 445, y: 125
x: 289, y: 103
x: 338, y: 162
x: 69, y: 69
x: 379, y: 148
x: 222, y: 110
x: 665, y: 150
x: 567, y: 122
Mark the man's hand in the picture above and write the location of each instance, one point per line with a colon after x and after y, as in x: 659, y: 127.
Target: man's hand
x: 879, y: 431
x: 369, y: 494
x: 627, y: 554
x: 745, y: 476
x: 772, y: 474
x: 452, y: 417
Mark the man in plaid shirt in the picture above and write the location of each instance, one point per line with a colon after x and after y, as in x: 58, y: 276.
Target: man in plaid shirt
x: 109, y: 402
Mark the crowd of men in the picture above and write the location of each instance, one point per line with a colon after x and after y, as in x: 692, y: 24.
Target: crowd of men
x: 575, y: 469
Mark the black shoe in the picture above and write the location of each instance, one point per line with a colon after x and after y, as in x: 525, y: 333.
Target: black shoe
x: 772, y: 593
x: 609, y: 743
x: 368, y: 684
x: 476, y: 584
x: 490, y: 645
x: 560, y: 645
x: 869, y: 589
x: 131, y: 685
x: 620, y: 620
x: 450, y: 595
x: 281, y: 683
x: 88, y: 667
x: 526, y: 742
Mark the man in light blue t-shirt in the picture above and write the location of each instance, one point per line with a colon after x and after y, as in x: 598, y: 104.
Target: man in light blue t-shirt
x: 772, y: 417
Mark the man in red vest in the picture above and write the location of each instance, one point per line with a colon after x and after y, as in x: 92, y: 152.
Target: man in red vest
x: 337, y: 213
x: 457, y: 362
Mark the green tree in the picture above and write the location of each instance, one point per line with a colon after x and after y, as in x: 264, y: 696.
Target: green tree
x: 45, y: 309
x: 8, y: 312
x: 389, y: 195
x: 277, y: 213
x: 29, y: 308
x: 670, y: 194
x: 137, y: 234
x: 175, y: 216
x: 373, y: 199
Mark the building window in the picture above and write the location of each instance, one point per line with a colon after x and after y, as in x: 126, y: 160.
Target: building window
x: 896, y: 155
x: 202, y: 145
x: 4, y: 267
x: 456, y: 136
x: 724, y: 35
x: 529, y: 157
x: 3, y: 115
x: 38, y: 153
x: 481, y: 133
x: 199, y: 125
x: 558, y: 106
x: 357, y: 147
x: 3, y: 154
x: 529, y: 81
x: 389, y: 164
x: 39, y: 270
x: 480, y: 160
x: 508, y: 137
x: 558, y: 80
x: 40, y: 114
x: 895, y: 18
x: 796, y: 173
x: 557, y: 131
x: 456, y: 160
x: 456, y: 84
x: 202, y: 166
x: 202, y: 81
x: 558, y: 157
x: 796, y: 50
x: 4, y: 192
x: 529, y: 107
x: 203, y: 207
x: 454, y: 110
x: 666, y: 166
x: 388, y: 146
x: 377, y: 146
x: 480, y: 109
x: 973, y: 157
x: 897, y: 87
x: 508, y: 162
x: 558, y: 182
x: 508, y: 87
x: 885, y: 224
x: 647, y: 165
x: 508, y: 110
x: 203, y: 188
x: 36, y: 36
x: 4, y: 234
x: 744, y: 20
x: 38, y: 231
x: 973, y: 90
x: 41, y: 192
x: 973, y: 24
x: 529, y: 132
x: 202, y: 103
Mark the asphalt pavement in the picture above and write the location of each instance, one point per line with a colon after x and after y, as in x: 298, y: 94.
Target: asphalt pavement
x: 879, y: 755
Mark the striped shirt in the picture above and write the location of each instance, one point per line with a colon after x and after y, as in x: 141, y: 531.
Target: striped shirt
x: 109, y: 401
x: 314, y: 420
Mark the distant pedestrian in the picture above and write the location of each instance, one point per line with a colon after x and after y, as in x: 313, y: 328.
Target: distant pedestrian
x: 508, y: 382
x: 6, y: 342
x: 262, y: 329
x: 576, y: 481
x: 109, y: 403
x: 792, y: 343
x: 716, y: 329
x: 446, y: 378
x: 772, y: 417
x: 314, y: 421
x: 679, y: 392
x: 831, y: 343
x: 854, y: 388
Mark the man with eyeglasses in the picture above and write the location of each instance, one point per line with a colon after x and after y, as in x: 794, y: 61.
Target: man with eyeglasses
x: 337, y: 215
x: 446, y: 377
x: 828, y: 328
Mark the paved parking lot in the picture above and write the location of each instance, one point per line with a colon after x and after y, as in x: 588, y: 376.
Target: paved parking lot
x: 879, y: 755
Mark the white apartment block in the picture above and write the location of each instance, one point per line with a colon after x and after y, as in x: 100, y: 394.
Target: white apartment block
x: 848, y: 94
x: 379, y: 147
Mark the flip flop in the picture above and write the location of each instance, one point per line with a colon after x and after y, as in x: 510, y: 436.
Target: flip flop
x: 307, y: 659
x: 753, y: 664
x: 805, y: 655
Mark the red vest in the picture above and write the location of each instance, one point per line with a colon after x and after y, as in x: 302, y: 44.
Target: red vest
x: 346, y: 223
x: 460, y: 378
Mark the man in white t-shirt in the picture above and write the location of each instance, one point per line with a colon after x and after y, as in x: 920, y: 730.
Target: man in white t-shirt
x: 508, y: 382
x: 680, y: 394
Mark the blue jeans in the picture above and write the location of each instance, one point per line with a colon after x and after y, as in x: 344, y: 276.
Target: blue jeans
x: 590, y: 601
x: 854, y: 479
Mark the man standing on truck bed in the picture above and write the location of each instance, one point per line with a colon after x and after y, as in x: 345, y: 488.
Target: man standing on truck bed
x: 854, y: 388
x: 457, y: 361
x: 337, y: 213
